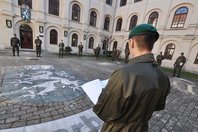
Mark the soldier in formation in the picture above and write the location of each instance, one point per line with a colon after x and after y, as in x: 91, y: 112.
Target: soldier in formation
x: 15, y: 43
x: 61, y: 49
x: 38, y: 43
x: 179, y: 63
x: 80, y: 50
x: 159, y: 58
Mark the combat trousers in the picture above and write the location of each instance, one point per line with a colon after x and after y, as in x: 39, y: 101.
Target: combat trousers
x: 38, y: 51
x: 15, y: 48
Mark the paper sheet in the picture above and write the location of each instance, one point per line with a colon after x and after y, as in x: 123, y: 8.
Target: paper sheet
x: 94, y: 88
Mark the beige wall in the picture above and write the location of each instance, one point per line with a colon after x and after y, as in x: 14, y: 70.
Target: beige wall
x: 185, y: 39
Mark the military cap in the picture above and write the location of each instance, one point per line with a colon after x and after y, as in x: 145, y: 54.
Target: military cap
x: 144, y: 29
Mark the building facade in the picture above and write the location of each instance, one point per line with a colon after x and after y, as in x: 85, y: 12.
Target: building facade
x: 102, y: 22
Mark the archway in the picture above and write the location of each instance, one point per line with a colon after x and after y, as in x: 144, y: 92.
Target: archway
x: 26, y: 36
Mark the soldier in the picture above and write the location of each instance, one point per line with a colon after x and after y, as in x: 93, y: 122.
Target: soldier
x: 80, y: 50
x: 38, y: 43
x: 136, y: 90
x: 61, y: 48
x: 159, y: 58
x: 98, y: 51
x: 127, y: 53
x: 15, y: 43
x: 179, y: 63
x: 114, y: 54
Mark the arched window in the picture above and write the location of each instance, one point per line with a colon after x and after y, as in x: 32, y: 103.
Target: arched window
x: 170, y: 49
x: 179, y: 17
x: 127, y: 47
x: 153, y: 18
x: 93, y: 18
x: 196, y: 59
x: 106, y: 23
x: 91, y: 43
x: 115, y: 44
x: 123, y: 2
x: 74, y: 40
x: 53, y: 36
x: 76, y: 12
x: 54, y: 7
x: 25, y: 2
x: 109, y: 2
x: 133, y: 22
x: 119, y: 24
x: 104, y: 45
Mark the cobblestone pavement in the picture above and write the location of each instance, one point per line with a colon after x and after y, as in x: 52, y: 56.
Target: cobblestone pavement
x: 180, y: 115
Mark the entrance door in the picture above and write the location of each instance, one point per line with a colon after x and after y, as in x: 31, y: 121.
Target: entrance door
x: 26, y: 37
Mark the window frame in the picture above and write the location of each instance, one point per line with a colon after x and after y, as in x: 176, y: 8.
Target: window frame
x: 54, y: 7
x: 119, y: 24
x: 107, y: 23
x: 26, y: 2
x: 179, y: 19
x: 154, y: 15
x: 123, y: 3
x: 76, y: 10
x: 93, y: 18
x: 91, y: 43
x: 53, y: 37
x: 73, y: 43
x: 133, y: 18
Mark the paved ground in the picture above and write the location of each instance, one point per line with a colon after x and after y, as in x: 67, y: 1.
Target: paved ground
x: 180, y: 115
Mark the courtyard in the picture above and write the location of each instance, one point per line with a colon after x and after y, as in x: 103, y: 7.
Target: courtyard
x: 45, y: 94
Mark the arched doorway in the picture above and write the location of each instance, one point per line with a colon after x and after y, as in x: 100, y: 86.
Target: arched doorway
x: 26, y: 37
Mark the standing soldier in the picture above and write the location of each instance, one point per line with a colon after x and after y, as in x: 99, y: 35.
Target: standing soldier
x: 127, y: 53
x: 61, y: 48
x: 15, y: 43
x: 179, y: 63
x: 98, y: 51
x: 114, y: 54
x: 80, y: 50
x: 159, y: 58
x: 38, y: 43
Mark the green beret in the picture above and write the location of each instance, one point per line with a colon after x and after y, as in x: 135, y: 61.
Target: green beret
x: 144, y: 29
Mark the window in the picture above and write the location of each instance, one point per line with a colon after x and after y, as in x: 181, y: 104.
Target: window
x: 179, y: 17
x: 127, y: 47
x: 106, y: 23
x: 123, y: 2
x: 104, y: 46
x: 74, y: 40
x: 196, y: 59
x: 119, y: 24
x: 93, y: 18
x: 170, y: 49
x: 137, y: 1
x: 91, y: 43
x: 109, y: 2
x: 25, y: 2
x: 153, y: 18
x: 53, y: 37
x: 54, y: 7
x: 76, y: 12
x: 115, y: 44
x: 133, y: 22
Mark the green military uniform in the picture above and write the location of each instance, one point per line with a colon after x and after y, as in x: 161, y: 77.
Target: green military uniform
x: 98, y: 51
x: 129, y: 99
x: 61, y: 49
x: 159, y: 59
x: 179, y: 63
x: 38, y: 43
x: 134, y: 91
x: 80, y: 50
x: 127, y: 53
x: 15, y: 43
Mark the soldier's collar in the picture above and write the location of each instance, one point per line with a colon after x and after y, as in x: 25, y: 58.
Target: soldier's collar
x: 146, y: 58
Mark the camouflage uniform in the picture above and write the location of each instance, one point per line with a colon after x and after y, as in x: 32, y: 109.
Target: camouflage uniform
x: 15, y: 43
x: 80, y: 50
x: 179, y: 63
x: 38, y: 43
x: 61, y: 49
x: 159, y: 59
